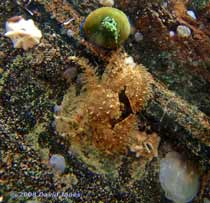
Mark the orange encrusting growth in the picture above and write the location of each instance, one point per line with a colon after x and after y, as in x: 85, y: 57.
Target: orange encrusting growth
x: 102, y: 121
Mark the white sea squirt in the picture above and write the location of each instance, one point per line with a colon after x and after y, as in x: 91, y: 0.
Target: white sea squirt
x: 206, y: 200
x: 23, y: 33
x: 178, y: 178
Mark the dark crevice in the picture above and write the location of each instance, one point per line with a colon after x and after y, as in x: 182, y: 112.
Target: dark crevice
x: 126, y: 109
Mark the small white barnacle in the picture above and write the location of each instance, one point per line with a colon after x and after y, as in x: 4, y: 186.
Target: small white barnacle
x: 23, y: 33
x: 57, y: 162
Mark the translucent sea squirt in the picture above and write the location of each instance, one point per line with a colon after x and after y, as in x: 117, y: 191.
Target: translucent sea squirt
x: 57, y: 162
x: 178, y: 178
x: 106, y: 27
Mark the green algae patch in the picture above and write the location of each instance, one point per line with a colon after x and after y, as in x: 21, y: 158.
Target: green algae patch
x: 199, y: 4
x: 32, y: 139
x: 96, y: 160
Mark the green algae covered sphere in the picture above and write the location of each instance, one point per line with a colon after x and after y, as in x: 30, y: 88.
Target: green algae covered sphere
x: 107, y: 27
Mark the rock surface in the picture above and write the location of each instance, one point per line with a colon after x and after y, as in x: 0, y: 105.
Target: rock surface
x: 32, y: 82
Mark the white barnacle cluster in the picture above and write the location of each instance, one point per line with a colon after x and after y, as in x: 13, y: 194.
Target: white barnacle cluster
x: 23, y: 33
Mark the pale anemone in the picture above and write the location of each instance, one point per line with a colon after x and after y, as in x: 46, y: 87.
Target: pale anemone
x: 23, y: 33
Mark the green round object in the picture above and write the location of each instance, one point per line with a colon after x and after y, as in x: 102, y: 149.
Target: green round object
x: 107, y: 27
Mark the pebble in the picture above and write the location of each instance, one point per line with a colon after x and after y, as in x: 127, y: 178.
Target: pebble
x: 171, y: 33
x: 108, y: 3
x: 70, y: 33
x: 57, y: 162
x: 129, y: 61
x: 165, y: 4
x: 56, y: 108
x: 183, y: 31
x: 138, y: 36
x: 53, y: 124
x: 70, y: 74
x: 192, y: 14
